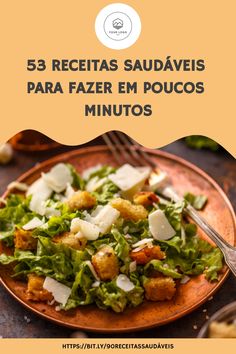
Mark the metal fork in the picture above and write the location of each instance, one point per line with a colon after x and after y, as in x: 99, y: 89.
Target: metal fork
x: 124, y: 149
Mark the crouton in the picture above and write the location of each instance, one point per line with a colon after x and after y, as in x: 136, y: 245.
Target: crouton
x: 128, y: 210
x: 70, y: 240
x: 159, y: 289
x: 147, y: 254
x: 35, y: 290
x: 105, y: 263
x: 81, y: 200
x: 145, y: 198
x: 24, y: 240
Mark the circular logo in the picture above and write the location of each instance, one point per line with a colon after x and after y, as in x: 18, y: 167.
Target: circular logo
x: 118, y: 26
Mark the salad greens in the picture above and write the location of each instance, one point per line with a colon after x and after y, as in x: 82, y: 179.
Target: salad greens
x: 112, y: 270
x: 200, y: 142
x: 197, y: 201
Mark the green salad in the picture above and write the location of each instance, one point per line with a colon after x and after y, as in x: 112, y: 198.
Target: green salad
x: 104, y: 237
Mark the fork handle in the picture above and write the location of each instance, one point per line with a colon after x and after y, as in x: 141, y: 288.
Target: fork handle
x: 228, y: 251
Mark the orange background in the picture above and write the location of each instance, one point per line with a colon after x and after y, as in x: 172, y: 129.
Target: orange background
x: 181, y: 29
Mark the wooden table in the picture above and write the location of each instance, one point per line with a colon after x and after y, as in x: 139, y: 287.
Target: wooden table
x: 16, y: 321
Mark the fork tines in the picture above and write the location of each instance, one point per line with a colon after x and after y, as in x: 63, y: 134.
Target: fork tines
x: 125, y: 149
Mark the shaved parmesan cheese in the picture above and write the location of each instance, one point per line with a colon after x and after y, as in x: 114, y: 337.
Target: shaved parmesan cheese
x: 37, y: 205
x: 23, y: 187
x: 79, y: 235
x: 105, y: 218
x: 129, y: 179
x: 40, y: 187
x: 117, y: 195
x: 91, y: 267
x: 140, y: 248
x: 40, y: 193
x: 60, y: 292
x: 33, y: 224
x: 58, y: 178
x: 95, y: 183
x: 124, y: 283
x: 97, y: 210
x: 159, y: 226
x: 50, y: 211
x: 144, y: 241
x: 75, y: 225
x: 170, y: 193
x: 50, y: 303
x: 87, y: 216
x: 157, y: 180
x: 87, y: 173
x: 127, y: 176
x: 96, y: 284
x: 88, y: 230
x: 128, y: 237
x: 132, y: 266
x: 60, y: 197
x: 69, y: 191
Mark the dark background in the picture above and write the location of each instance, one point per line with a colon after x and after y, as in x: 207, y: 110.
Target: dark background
x: 16, y: 321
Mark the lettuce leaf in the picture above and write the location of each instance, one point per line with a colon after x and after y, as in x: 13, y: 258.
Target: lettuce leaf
x: 14, y: 199
x: 7, y: 237
x: 106, y: 192
x: 190, y: 229
x: 195, y: 257
x: 213, y: 264
x: 197, y: 201
x: 78, y: 181
x: 162, y: 267
x: 106, y: 240
x: 6, y: 259
x: 135, y: 296
x: 200, y: 142
x: 138, y: 229
x: 15, y: 214
x: 80, y: 293
x: 104, y: 171
x: 109, y: 295
x: 11, y: 216
x: 55, y: 260
x: 122, y: 247
x: 55, y: 226
x: 174, y: 214
x: 175, y: 242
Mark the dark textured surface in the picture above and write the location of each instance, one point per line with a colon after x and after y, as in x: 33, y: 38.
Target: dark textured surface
x: 15, y: 321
